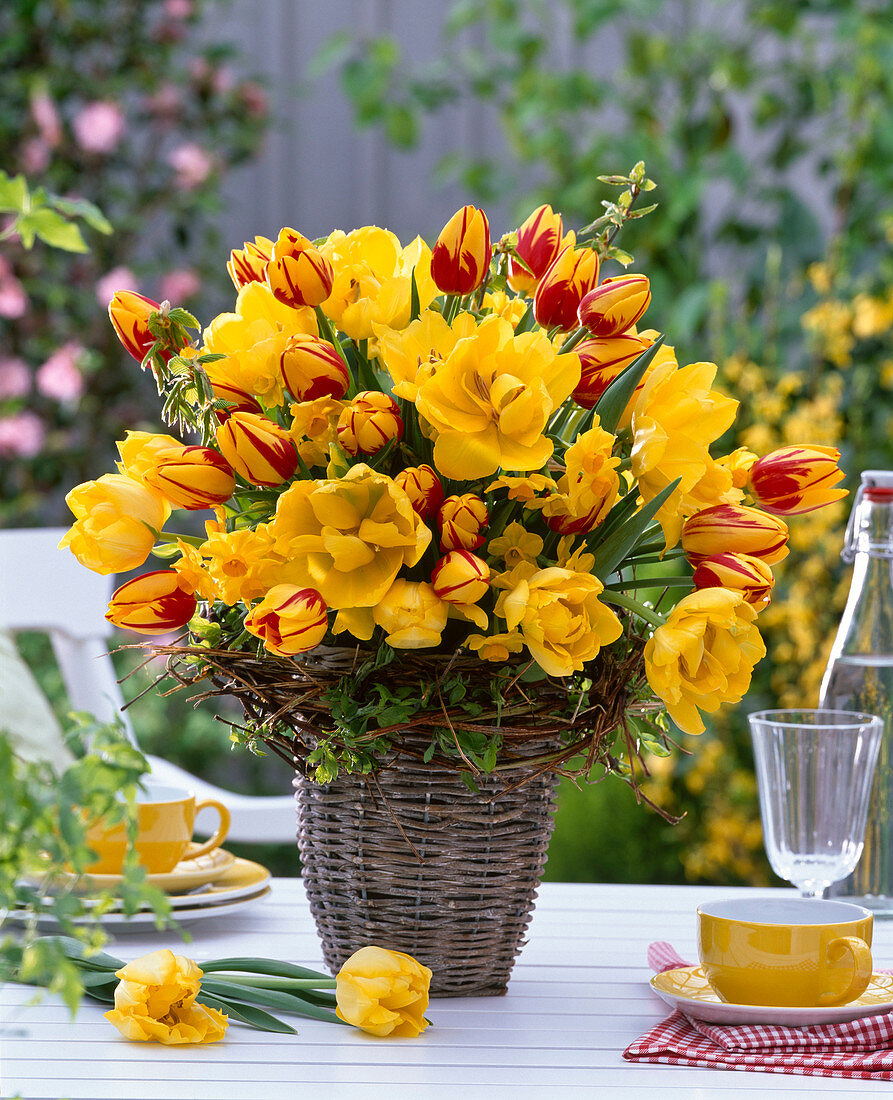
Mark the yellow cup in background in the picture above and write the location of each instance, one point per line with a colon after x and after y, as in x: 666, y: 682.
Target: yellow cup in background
x: 785, y: 951
x: 165, y: 821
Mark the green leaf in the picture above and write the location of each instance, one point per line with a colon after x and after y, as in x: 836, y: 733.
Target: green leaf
x: 415, y: 304
x: 285, y: 1002
x: 13, y: 193
x: 616, y: 397
x: 87, y: 211
x: 610, y: 553
x: 262, y: 966
x: 54, y: 230
x: 249, y: 1014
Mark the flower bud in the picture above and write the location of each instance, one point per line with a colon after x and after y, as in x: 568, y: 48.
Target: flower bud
x: 539, y: 242
x: 422, y: 485
x: 460, y: 258
x: 569, y: 278
x: 289, y: 620
x: 192, y: 477
x: 462, y: 521
x: 312, y: 368
x: 793, y: 480
x: 129, y: 313
x: 460, y: 577
x: 742, y: 573
x: 298, y: 274
x: 601, y: 360
x: 368, y: 423
x: 734, y: 529
x: 257, y: 449
x: 411, y: 614
x: 153, y: 603
x: 237, y: 399
x: 616, y: 305
x: 249, y: 264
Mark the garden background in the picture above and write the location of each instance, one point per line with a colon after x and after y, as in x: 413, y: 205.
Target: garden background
x: 196, y: 124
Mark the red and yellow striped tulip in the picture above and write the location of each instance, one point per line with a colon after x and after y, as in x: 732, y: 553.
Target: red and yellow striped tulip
x: 734, y: 529
x: 237, y: 399
x: 368, y: 423
x: 462, y: 521
x: 601, y: 360
x: 249, y: 263
x: 257, y: 449
x: 298, y: 274
x: 460, y: 258
x: 129, y: 313
x: 289, y: 620
x: 461, y: 577
x: 743, y: 573
x: 793, y: 480
x: 569, y: 278
x: 312, y: 368
x: 192, y: 477
x: 539, y: 242
x: 616, y: 305
x: 154, y: 603
x: 422, y: 485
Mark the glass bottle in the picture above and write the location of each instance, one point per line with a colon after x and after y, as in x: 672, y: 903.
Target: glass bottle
x: 859, y: 675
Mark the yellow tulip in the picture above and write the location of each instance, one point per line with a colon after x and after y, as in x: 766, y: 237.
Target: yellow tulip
x: 289, y: 620
x: 139, y: 452
x: 490, y: 401
x: 601, y: 360
x: 495, y: 647
x: 462, y: 520
x: 155, y: 1001
x: 117, y: 520
x: 153, y: 603
x: 461, y: 577
x: 383, y: 992
x: 704, y: 655
x: 411, y: 614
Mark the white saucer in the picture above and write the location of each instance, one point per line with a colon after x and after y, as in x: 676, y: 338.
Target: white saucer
x: 687, y: 989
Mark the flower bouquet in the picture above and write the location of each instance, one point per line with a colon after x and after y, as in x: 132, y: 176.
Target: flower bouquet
x: 454, y: 491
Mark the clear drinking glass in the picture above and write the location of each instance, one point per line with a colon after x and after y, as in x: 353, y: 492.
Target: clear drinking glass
x: 814, y: 772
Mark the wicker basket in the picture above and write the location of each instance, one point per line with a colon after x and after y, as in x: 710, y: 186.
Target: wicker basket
x: 414, y: 861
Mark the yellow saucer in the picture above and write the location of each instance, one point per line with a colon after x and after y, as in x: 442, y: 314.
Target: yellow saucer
x: 189, y: 874
x: 687, y: 989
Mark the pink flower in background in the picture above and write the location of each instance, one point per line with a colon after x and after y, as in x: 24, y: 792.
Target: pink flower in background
x: 46, y: 117
x: 21, y: 435
x: 13, y: 299
x: 178, y: 9
x: 192, y: 165
x: 222, y: 80
x: 99, y: 126
x: 119, y: 278
x: 35, y: 156
x: 15, y: 378
x: 166, y: 102
x: 255, y: 99
x: 59, y: 377
x: 177, y: 286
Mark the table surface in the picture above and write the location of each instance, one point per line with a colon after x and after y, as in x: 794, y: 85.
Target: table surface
x: 579, y: 995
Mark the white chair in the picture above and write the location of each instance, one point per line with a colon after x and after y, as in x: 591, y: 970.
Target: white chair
x: 43, y: 588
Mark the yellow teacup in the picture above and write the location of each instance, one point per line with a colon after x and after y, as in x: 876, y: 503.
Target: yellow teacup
x: 785, y: 951
x: 165, y: 821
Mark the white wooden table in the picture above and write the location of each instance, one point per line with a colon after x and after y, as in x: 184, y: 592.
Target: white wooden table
x: 578, y: 996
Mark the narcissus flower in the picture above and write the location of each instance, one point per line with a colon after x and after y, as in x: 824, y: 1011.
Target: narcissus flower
x: 462, y: 521
x: 587, y: 490
x: 249, y: 263
x: 369, y: 422
x: 383, y: 992
x: 242, y: 565
x: 563, y: 622
x: 312, y: 368
x: 117, y: 520
x: 422, y: 485
x: 192, y: 477
x: 298, y: 274
x: 257, y: 449
x: 752, y: 577
x: 601, y: 360
x: 569, y: 278
x: 156, y: 1002
x: 461, y: 255
x: 539, y: 242
x: 495, y: 647
x: 704, y: 655
x: 516, y: 544
x: 461, y: 577
x: 289, y: 620
x: 129, y: 313
x: 735, y: 529
x: 616, y: 305
x: 793, y: 480
x: 314, y: 428
x: 411, y: 614
x: 411, y: 355
x: 153, y: 603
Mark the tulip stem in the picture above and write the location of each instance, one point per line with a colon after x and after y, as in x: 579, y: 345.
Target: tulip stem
x: 620, y: 599
x: 571, y: 342
x: 263, y: 981
x: 651, y: 582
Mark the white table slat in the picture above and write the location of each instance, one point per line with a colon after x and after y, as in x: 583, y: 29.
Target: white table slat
x: 578, y: 996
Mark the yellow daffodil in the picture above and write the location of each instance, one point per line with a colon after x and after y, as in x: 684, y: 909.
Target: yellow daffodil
x: 587, y: 490
x: 516, y: 544
x: 524, y: 489
x: 241, y: 564
x: 191, y: 567
x: 503, y: 305
x: 314, y: 427
x: 496, y: 647
x: 411, y: 355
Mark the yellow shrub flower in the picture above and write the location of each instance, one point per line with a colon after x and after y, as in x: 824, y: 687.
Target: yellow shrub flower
x: 491, y: 399
x: 347, y: 537
x: 676, y: 418
x: 412, y: 615
x: 412, y: 354
x: 516, y: 544
x: 704, y: 655
x: 383, y: 992
x: 560, y: 616
x: 155, y: 1001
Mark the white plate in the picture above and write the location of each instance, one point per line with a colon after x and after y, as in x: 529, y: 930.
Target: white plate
x: 144, y: 920
x: 687, y: 989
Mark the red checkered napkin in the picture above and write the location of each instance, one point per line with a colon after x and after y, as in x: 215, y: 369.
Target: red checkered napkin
x: 861, y: 1049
